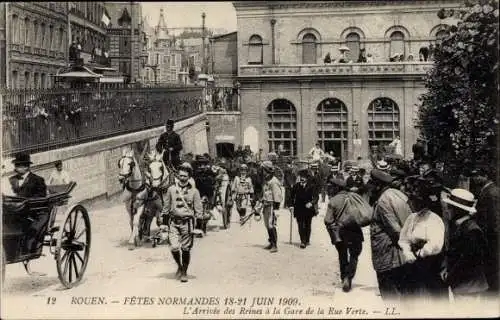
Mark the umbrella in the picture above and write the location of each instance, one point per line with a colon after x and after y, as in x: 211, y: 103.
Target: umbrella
x: 344, y: 48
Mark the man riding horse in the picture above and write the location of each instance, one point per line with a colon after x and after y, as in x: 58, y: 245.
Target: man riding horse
x: 171, y: 145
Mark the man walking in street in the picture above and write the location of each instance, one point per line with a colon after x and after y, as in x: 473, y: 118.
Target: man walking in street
x: 271, y: 199
x: 488, y: 219
x: 391, y: 209
x: 170, y: 143
x: 348, y: 240
x: 303, y: 202
x: 182, y: 205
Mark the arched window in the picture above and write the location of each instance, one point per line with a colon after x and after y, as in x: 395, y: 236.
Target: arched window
x: 255, y: 49
x: 383, y: 121
x: 27, y: 80
x: 440, y: 35
x: 397, y: 43
x: 14, y: 30
x: 282, y: 126
x: 60, y: 42
x: 44, y: 81
x: 332, y: 126
x: 36, y: 78
x: 27, y: 27
x: 309, y: 49
x: 352, y: 42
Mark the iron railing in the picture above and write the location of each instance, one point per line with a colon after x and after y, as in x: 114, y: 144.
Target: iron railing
x: 42, y: 120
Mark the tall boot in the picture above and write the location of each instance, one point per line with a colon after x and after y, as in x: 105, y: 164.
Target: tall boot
x: 177, y: 258
x: 274, y: 240
x: 186, y: 257
x: 270, y: 239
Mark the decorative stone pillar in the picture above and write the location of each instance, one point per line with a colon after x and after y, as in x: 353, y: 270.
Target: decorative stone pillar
x: 273, y: 41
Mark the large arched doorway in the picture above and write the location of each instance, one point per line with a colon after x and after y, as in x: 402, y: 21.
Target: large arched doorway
x: 282, y: 126
x: 383, y: 121
x: 332, y: 126
x: 224, y: 149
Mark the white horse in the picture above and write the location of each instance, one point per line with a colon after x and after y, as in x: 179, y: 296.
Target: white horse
x: 132, y: 181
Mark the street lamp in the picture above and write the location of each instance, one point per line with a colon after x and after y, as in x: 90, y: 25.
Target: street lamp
x: 154, y: 67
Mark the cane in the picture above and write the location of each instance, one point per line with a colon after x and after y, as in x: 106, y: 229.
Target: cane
x: 291, y: 220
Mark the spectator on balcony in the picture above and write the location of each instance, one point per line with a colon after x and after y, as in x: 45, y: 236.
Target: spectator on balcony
x: 423, y: 54
x: 362, y: 56
x: 410, y: 57
x: 73, y: 51
x: 328, y: 59
x: 369, y: 58
x: 431, y: 52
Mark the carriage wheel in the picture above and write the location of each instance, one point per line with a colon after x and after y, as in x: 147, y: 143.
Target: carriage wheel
x: 227, y: 214
x: 73, y: 246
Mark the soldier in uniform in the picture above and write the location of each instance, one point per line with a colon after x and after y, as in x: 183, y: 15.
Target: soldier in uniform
x: 170, y: 142
x: 242, y: 190
x: 271, y: 199
x: 182, y: 204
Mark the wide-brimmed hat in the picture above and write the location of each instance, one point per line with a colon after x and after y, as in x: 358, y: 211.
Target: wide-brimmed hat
x: 354, y: 169
x: 462, y: 199
x: 267, y: 165
x: 22, y: 158
x: 186, y: 166
x: 382, y: 165
x: 380, y: 176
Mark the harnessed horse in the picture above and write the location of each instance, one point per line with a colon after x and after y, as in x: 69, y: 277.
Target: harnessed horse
x: 132, y: 181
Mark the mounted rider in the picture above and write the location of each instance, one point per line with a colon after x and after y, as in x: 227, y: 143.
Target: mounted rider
x: 170, y: 143
x: 242, y: 190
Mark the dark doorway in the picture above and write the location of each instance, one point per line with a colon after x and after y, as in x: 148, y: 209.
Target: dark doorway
x: 335, y: 146
x: 224, y: 149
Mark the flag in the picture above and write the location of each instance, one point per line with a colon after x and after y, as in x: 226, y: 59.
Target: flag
x: 105, y: 18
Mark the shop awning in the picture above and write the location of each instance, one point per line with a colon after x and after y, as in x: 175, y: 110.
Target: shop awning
x: 79, y: 74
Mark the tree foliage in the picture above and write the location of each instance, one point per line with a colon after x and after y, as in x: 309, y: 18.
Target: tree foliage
x: 459, y: 112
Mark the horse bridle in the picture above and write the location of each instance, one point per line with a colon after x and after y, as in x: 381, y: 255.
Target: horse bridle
x: 131, y: 165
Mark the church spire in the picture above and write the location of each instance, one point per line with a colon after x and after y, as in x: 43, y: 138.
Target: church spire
x: 161, y: 23
x: 161, y: 28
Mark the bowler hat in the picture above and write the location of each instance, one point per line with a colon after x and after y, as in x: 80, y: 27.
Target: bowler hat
x: 170, y: 123
x: 381, y: 176
x: 22, y: 158
x: 462, y: 199
x: 58, y: 163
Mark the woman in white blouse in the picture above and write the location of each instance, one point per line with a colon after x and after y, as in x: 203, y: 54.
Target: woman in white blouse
x: 422, y: 240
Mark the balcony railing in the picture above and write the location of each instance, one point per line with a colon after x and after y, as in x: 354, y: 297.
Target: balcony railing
x: 42, y: 120
x: 337, y: 69
x: 222, y: 99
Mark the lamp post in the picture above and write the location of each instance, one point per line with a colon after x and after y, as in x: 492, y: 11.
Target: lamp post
x: 153, y: 67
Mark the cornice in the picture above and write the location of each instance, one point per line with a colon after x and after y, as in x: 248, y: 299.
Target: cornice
x: 338, y: 4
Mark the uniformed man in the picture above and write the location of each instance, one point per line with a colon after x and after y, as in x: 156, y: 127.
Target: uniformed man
x: 170, y: 143
x: 242, y: 191
x: 182, y: 205
x: 204, y: 179
x: 271, y: 199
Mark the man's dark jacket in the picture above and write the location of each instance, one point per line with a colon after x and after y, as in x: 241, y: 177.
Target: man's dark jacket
x: 170, y: 140
x: 33, y: 186
x: 300, y: 196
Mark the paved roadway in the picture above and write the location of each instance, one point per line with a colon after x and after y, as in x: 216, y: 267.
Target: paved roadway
x: 225, y: 264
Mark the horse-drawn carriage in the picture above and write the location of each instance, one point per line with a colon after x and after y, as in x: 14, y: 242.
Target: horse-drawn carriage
x: 29, y: 225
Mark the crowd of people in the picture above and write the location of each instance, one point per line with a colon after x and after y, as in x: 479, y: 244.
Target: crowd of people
x: 425, y: 237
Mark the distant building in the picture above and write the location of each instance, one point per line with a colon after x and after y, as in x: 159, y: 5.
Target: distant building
x: 34, y: 43
x: 223, y: 58
x: 126, y: 38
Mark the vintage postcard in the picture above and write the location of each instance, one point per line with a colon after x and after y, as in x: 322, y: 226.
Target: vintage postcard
x: 249, y: 159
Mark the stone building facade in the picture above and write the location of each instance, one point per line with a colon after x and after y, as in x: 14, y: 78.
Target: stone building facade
x: 223, y: 58
x: 36, y: 43
x: 292, y: 96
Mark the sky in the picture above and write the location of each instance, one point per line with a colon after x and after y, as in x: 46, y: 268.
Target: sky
x: 219, y: 14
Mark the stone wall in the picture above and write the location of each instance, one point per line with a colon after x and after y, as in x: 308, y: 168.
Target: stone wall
x: 94, y: 165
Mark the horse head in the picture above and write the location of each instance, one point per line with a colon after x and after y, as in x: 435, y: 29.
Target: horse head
x: 126, y: 164
x: 157, y: 173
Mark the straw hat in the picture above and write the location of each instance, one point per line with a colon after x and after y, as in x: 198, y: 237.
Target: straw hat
x: 382, y: 165
x: 462, y: 199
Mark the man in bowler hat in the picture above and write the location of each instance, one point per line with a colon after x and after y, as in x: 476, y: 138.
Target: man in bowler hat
x: 170, y: 142
x: 25, y: 183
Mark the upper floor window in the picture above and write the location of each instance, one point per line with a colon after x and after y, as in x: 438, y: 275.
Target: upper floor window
x: 352, y: 42
x: 397, y: 44
x: 35, y: 34
x: 27, y: 28
x: 255, y: 50
x: 42, y: 35
x: 14, y: 31
x: 309, y: 49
